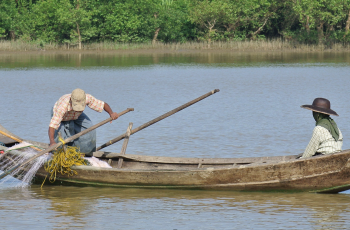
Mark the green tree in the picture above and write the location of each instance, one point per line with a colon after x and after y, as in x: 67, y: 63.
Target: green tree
x: 248, y: 17
x: 346, y: 13
x: 75, y: 18
x: 209, y: 16
x: 14, y: 17
x: 171, y: 21
x: 237, y: 19
x: 124, y: 21
x: 77, y: 21
x: 286, y: 21
x: 8, y: 12
x: 319, y: 15
x: 260, y: 14
x: 43, y: 21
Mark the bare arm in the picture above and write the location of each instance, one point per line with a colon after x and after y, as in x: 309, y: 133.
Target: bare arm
x: 108, y: 109
x: 51, y: 136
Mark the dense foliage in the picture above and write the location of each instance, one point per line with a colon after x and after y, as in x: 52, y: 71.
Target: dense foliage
x: 76, y: 21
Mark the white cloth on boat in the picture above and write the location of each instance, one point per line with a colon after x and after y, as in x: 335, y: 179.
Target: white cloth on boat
x: 97, y: 163
x: 323, y: 142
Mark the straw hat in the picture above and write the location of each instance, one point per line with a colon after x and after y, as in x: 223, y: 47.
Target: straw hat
x: 78, y: 98
x: 321, y: 105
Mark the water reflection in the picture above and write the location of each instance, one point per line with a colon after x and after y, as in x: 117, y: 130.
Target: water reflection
x: 117, y: 59
x: 88, y: 207
x: 67, y: 202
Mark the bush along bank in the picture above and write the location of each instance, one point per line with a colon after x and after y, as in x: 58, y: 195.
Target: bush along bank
x: 117, y: 24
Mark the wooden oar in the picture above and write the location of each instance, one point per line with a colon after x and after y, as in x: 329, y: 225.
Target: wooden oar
x: 69, y: 139
x: 158, y: 119
x: 18, y: 140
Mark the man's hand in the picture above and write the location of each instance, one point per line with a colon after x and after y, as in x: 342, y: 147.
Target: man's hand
x: 114, y: 115
x: 52, y: 143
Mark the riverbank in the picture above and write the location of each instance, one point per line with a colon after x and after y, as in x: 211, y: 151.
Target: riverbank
x: 197, y: 47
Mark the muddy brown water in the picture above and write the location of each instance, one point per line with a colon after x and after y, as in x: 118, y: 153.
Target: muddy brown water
x: 256, y: 113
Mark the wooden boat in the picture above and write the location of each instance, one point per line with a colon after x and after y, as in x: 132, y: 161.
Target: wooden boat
x: 324, y: 173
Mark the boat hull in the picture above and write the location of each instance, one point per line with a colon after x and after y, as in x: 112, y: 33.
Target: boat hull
x: 321, y: 173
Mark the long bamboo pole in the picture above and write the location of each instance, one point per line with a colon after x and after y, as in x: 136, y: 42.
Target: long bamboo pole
x: 18, y: 140
x: 69, y: 139
x: 158, y: 119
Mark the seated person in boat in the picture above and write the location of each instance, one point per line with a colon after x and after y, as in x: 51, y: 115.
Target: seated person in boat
x: 326, y: 137
x: 69, y: 119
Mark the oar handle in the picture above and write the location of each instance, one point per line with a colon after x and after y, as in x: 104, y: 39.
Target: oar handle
x: 69, y: 139
x: 158, y: 118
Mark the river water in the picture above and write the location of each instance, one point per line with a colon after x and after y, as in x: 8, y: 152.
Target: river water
x: 256, y: 113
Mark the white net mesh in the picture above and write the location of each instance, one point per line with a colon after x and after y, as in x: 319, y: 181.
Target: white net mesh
x: 24, y: 174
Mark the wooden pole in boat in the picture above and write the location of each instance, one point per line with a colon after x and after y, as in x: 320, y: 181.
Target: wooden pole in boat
x: 18, y: 140
x: 69, y: 139
x: 158, y: 119
x: 125, y: 144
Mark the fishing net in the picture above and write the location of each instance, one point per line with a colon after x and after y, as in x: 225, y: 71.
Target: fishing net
x: 17, y: 155
x: 59, y: 162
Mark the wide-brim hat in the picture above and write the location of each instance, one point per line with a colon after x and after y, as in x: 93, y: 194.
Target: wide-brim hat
x: 321, y: 105
x: 78, y: 98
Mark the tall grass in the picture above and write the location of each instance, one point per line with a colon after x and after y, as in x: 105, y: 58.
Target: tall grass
x: 250, y: 45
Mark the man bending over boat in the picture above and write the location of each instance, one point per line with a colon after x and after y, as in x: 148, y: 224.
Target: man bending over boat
x: 68, y: 119
x: 326, y: 137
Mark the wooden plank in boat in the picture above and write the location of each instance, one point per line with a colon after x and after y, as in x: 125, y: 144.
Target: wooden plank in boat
x: 180, y: 160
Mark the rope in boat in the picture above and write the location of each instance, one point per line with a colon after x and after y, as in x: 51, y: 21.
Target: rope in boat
x: 63, y: 158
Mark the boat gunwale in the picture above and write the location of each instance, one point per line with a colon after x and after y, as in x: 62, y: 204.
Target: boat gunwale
x: 251, y: 165
x: 191, y: 160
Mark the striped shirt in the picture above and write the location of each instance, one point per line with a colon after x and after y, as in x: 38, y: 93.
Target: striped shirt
x: 323, y: 142
x: 63, y: 111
